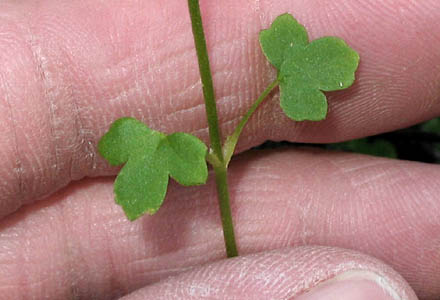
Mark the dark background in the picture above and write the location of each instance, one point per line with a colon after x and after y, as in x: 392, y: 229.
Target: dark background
x: 418, y: 143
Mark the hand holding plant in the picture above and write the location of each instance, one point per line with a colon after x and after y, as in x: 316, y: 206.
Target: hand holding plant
x: 102, y: 61
x: 304, y: 71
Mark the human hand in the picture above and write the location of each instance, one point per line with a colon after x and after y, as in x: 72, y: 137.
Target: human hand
x: 70, y: 68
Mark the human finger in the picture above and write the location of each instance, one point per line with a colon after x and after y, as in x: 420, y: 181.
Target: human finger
x: 80, y: 241
x: 70, y: 68
x: 303, y: 273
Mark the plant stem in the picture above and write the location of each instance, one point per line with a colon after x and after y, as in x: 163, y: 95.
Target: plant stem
x: 232, y: 140
x: 221, y: 180
x: 205, y: 74
x: 220, y: 168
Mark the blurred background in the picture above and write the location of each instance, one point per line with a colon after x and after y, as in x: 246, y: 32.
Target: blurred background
x: 418, y: 143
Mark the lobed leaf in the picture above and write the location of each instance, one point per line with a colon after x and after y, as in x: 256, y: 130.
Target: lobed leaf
x: 186, y: 158
x: 150, y: 157
x: 127, y: 137
x: 302, y: 104
x: 327, y: 64
x: 306, y: 69
x: 141, y: 186
x: 284, y: 33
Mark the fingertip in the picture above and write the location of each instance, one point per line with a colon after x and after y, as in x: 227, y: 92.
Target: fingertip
x: 303, y: 273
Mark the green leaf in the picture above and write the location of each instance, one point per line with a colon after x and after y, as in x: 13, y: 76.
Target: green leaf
x: 125, y: 138
x: 150, y: 157
x: 302, y: 103
x: 327, y: 64
x: 141, y: 186
x: 186, y: 158
x: 306, y: 69
x: 284, y: 33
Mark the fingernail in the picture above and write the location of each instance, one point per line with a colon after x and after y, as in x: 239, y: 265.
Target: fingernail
x: 352, y: 285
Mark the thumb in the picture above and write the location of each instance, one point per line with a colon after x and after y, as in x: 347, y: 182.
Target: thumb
x: 303, y: 273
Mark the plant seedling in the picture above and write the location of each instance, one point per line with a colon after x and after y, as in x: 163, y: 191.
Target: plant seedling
x: 305, y: 70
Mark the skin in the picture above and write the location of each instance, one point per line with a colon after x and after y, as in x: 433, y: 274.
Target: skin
x: 70, y: 68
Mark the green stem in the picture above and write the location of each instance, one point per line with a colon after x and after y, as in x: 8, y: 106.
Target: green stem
x: 205, y: 74
x: 216, y: 158
x: 232, y: 140
x: 221, y: 179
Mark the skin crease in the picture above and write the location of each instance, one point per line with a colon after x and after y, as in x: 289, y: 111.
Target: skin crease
x: 70, y: 68
x: 260, y: 284
x: 86, y: 247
